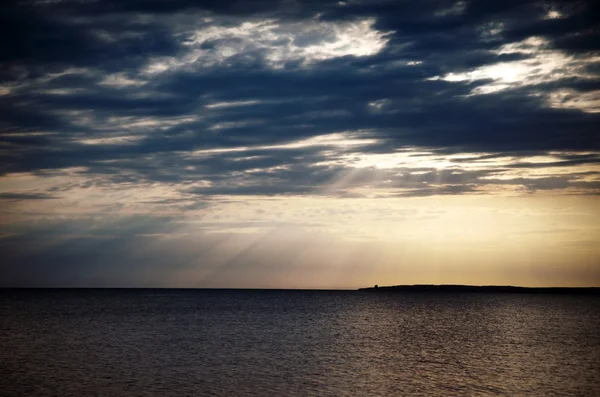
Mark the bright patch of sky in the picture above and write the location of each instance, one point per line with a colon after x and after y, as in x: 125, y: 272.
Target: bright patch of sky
x: 276, y: 42
x: 541, y: 65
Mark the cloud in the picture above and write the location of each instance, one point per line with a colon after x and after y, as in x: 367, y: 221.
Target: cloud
x: 25, y: 196
x: 183, y: 109
x: 539, y: 66
x: 272, y: 42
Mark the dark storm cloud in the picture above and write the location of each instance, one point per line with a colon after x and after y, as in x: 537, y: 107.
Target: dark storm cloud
x: 77, y: 71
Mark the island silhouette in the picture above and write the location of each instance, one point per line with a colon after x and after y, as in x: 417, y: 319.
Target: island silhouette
x: 482, y: 288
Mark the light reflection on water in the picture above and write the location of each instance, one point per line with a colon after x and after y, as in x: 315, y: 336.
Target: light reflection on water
x: 257, y: 343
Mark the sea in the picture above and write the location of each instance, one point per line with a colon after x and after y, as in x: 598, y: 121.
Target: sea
x: 203, y: 342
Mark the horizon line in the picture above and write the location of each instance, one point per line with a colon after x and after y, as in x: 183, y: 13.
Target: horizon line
x: 376, y: 286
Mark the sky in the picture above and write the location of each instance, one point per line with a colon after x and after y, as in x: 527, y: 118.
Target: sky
x: 299, y: 144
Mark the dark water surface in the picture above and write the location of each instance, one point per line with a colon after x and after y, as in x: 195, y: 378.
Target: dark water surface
x: 308, y: 343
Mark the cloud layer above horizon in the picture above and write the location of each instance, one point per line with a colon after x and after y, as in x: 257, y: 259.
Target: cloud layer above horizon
x: 142, y: 143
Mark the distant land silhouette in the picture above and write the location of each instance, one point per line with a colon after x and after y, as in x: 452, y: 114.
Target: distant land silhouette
x: 484, y: 288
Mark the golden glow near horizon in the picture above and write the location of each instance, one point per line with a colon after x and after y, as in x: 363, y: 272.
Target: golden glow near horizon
x: 358, y: 229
